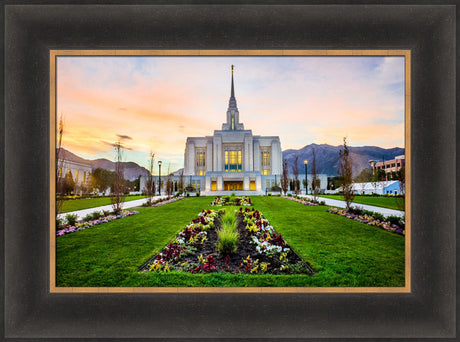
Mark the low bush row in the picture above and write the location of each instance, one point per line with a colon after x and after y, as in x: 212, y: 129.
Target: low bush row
x: 88, y: 221
x: 304, y: 201
x: 392, y: 224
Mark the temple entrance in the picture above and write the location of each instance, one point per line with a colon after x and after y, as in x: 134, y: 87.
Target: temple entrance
x: 233, y: 185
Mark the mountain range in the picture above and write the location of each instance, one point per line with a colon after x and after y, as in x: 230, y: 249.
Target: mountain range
x: 131, y: 170
x: 327, y: 159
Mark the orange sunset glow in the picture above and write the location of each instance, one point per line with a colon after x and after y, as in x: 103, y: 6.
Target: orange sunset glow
x: 157, y: 102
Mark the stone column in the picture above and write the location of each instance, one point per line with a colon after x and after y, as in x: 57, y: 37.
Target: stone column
x: 209, y: 157
x: 220, y: 183
x: 246, y: 183
x: 256, y: 156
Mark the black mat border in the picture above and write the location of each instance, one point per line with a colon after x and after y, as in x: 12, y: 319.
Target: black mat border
x: 30, y: 311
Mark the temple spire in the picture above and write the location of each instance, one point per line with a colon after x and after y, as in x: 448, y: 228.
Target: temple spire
x: 232, y: 95
x: 233, y: 116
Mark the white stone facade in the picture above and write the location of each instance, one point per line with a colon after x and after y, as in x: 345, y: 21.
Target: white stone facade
x: 232, y: 159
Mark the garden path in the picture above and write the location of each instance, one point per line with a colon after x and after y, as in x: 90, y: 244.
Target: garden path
x: 341, y: 204
x: 130, y: 204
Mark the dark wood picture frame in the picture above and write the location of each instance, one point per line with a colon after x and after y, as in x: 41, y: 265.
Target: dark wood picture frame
x: 56, y: 54
x: 30, y: 310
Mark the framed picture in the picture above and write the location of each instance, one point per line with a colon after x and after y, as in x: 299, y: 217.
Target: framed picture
x: 231, y: 170
x: 49, y: 293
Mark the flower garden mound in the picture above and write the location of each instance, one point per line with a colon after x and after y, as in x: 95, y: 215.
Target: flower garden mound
x: 304, y: 201
x: 231, y: 200
x: 88, y: 224
x: 261, y: 250
x: 370, y: 220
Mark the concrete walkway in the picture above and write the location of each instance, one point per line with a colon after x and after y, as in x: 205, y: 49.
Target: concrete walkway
x: 341, y: 204
x: 130, y: 204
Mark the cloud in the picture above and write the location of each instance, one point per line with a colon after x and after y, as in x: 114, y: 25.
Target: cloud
x: 157, y: 102
x: 124, y: 137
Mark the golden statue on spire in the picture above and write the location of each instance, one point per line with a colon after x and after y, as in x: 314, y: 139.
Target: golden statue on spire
x: 232, y: 68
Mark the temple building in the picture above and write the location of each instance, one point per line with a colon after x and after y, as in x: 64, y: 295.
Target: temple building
x: 233, y: 159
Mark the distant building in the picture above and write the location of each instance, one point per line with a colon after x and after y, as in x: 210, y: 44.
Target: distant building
x: 379, y: 188
x: 80, y: 173
x: 389, y: 166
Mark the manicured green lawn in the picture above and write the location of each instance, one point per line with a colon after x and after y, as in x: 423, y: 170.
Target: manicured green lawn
x: 78, y: 204
x: 342, y: 251
x: 385, y: 202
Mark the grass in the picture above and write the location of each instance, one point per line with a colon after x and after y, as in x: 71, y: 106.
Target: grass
x: 79, y: 204
x: 227, y: 235
x: 384, y: 202
x: 342, y: 251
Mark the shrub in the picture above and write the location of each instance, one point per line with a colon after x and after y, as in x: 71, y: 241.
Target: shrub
x: 227, y: 241
x: 96, y: 215
x: 227, y: 236
x: 59, y: 222
x: 71, y: 219
x: 395, y: 220
x: 197, y: 194
x: 88, y: 217
x: 228, y: 219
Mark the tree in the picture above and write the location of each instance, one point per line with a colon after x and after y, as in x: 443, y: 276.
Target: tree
x: 181, y: 183
x: 295, y: 172
x: 150, y: 189
x: 284, y: 177
x: 334, y: 182
x: 102, y: 179
x: 314, y: 177
x: 68, y: 185
x: 365, y: 176
x: 401, y: 201
x: 169, y: 185
x: 117, y: 196
x: 59, y: 166
x: 379, y: 175
x: 345, y: 171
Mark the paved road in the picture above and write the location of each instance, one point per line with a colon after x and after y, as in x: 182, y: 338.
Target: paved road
x: 130, y: 204
x: 341, y: 204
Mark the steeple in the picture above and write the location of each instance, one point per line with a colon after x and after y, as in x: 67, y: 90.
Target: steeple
x: 232, y: 95
x: 232, y: 101
x: 233, y: 116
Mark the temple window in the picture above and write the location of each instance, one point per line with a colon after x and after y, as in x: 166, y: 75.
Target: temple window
x: 232, y: 161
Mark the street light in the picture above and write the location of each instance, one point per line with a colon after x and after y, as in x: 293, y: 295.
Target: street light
x: 159, y: 178
x: 305, y: 162
x: 190, y: 183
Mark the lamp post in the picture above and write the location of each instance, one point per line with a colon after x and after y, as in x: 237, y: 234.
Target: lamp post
x: 190, y: 183
x: 159, y: 178
x: 305, y: 162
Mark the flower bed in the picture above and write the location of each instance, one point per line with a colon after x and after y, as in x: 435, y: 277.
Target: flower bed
x: 231, y: 200
x: 370, y: 220
x: 163, y: 201
x: 260, y: 248
x: 87, y: 224
x: 304, y: 201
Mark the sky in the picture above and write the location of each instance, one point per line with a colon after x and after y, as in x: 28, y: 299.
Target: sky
x: 154, y: 103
